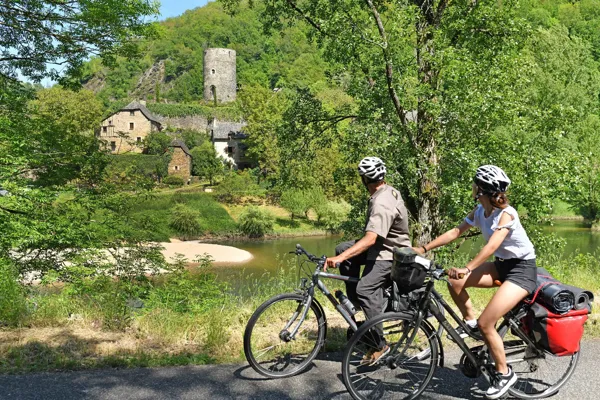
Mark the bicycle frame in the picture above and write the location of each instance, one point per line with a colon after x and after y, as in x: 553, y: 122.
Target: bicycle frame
x: 509, y: 321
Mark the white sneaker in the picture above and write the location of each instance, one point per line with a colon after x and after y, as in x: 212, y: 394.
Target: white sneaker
x: 500, y: 384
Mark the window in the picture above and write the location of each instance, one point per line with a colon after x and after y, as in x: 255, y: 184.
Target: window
x: 139, y: 139
x: 104, y: 129
x: 110, y: 122
x: 229, y: 149
x: 212, y: 71
x: 131, y: 126
x: 176, y: 168
x: 132, y: 113
x: 113, y: 146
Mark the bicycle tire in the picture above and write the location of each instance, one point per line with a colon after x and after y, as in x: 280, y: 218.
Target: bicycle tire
x: 288, y: 357
x: 422, y: 354
x: 535, y: 372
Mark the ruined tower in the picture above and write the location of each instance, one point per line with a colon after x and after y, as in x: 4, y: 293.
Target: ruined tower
x: 219, y: 75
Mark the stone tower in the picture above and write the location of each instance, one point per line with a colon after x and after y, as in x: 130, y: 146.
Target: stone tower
x: 219, y: 75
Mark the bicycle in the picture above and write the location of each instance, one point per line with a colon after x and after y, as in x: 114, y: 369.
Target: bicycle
x: 414, y: 353
x: 285, y: 333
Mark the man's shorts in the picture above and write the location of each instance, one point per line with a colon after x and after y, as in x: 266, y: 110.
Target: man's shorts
x: 522, y: 273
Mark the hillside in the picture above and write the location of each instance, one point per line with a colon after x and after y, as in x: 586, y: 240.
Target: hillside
x: 171, y: 67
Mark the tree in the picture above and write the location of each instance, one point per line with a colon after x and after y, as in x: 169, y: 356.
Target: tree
x: 157, y: 143
x: 205, y: 162
x: 64, y: 34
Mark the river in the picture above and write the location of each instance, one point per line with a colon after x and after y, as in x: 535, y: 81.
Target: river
x: 270, y: 255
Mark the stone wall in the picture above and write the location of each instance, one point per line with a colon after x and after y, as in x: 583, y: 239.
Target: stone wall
x: 194, y: 122
x: 131, y: 137
x: 180, y: 164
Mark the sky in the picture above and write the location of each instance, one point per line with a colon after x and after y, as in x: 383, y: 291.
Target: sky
x: 173, y: 8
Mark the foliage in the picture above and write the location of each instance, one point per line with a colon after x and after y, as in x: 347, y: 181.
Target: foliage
x: 236, y: 185
x: 135, y: 169
x: 40, y: 33
x: 192, y: 138
x: 184, y: 221
x: 77, y: 111
x: 256, y: 222
x: 13, y: 305
x: 157, y: 143
x: 298, y: 201
x: 205, y: 162
x: 332, y: 214
x: 173, y: 180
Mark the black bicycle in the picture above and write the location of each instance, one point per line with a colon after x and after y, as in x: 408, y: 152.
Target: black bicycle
x: 415, y: 351
x: 286, y: 332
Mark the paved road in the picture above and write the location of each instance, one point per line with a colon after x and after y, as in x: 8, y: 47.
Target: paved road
x: 216, y: 382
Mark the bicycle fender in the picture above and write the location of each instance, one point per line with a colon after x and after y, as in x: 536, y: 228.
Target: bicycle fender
x: 322, y: 310
x: 439, y: 342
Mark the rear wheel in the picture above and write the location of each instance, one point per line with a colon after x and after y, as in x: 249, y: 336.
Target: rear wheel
x: 268, y: 345
x: 540, y: 373
x: 401, y: 374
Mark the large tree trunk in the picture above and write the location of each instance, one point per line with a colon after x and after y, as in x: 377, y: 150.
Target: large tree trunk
x: 428, y: 127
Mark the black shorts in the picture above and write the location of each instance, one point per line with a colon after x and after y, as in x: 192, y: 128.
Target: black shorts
x: 522, y: 273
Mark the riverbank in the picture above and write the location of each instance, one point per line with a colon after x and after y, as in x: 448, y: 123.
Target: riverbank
x: 193, y: 249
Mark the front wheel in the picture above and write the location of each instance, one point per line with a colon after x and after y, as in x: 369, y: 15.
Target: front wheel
x: 404, y: 372
x: 269, y: 345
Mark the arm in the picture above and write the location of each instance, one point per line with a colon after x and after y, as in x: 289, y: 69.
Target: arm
x: 357, y: 248
x: 448, y: 236
x: 491, y: 246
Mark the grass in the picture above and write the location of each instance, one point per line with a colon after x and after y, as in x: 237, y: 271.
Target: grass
x: 284, y: 224
x: 65, y: 329
x: 156, y: 211
x: 562, y: 210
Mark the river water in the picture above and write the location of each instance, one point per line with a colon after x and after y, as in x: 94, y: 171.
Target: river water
x: 271, y: 255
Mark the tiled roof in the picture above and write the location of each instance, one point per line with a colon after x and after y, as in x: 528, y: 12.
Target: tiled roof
x: 222, y: 129
x: 179, y: 143
x: 136, y: 105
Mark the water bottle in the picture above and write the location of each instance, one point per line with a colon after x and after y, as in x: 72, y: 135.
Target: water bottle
x: 345, y: 301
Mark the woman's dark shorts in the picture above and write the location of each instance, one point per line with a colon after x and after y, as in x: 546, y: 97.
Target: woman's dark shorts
x: 522, y: 273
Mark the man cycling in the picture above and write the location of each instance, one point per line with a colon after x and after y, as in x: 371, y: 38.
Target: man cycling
x: 386, y: 227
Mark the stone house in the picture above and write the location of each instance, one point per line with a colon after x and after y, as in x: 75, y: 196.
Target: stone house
x: 181, y: 161
x: 125, y: 130
x: 227, y: 138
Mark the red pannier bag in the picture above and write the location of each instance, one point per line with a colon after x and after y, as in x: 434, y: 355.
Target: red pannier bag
x: 559, y: 334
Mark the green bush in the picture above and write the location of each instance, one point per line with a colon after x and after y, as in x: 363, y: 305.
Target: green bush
x: 298, y: 201
x: 184, y: 221
x: 13, y: 304
x: 173, y: 180
x: 236, y: 185
x: 332, y: 214
x: 256, y: 222
x: 131, y: 168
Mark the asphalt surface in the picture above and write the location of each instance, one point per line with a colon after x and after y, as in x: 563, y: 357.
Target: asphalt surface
x: 215, y: 382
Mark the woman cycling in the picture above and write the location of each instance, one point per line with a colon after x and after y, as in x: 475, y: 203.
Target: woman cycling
x: 514, y: 266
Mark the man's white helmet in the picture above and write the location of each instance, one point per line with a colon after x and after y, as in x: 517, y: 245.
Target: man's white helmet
x: 372, y: 168
x: 491, y: 179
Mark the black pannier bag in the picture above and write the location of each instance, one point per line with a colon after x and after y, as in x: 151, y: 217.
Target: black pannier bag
x: 409, y: 269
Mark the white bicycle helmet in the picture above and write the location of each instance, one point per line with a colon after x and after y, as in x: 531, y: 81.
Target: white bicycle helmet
x: 491, y: 179
x: 372, y: 168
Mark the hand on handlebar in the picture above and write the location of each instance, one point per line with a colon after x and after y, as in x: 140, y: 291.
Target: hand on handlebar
x: 458, y: 273
x: 332, y: 262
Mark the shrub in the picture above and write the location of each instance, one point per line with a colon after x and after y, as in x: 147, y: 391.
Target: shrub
x: 332, y: 214
x: 256, y: 222
x: 173, y: 180
x: 236, y: 185
x: 298, y: 201
x: 184, y: 221
x: 12, y: 295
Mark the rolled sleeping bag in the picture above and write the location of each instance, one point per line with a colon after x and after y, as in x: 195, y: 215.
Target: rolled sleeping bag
x: 557, y: 298
x: 583, y: 298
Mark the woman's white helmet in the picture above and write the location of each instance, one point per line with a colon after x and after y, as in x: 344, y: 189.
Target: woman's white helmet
x: 491, y: 179
x: 372, y: 168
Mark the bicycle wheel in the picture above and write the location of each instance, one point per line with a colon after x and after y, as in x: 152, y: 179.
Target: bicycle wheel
x: 540, y: 374
x: 403, y: 373
x: 267, y: 345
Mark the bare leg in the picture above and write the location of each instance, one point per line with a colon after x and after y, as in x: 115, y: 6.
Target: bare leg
x: 481, y: 277
x: 507, y: 296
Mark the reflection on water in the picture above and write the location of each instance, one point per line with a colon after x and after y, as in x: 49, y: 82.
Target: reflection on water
x: 271, y: 255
